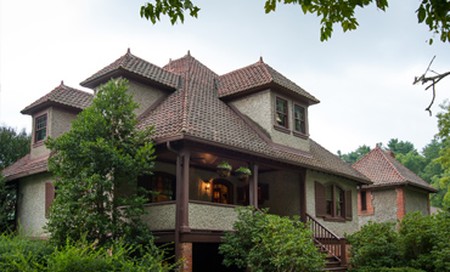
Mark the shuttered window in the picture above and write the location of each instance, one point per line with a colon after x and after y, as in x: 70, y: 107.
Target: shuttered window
x: 333, y: 202
x: 49, y: 197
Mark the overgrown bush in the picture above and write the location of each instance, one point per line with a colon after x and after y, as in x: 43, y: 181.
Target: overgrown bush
x: 265, y: 242
x: 375, y: 245
x: 23, y: 255
x: 388, y: 269
x: 421, y: 242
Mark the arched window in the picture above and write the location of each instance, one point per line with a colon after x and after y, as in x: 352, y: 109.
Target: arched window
x: 222, y: 191
x: 160, y: 186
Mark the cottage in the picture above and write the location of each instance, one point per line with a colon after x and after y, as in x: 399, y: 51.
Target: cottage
x: 253, y: 117
x: 395, y: 190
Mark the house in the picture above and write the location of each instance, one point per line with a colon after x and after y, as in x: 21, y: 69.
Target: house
x: 253, y: 116
x: 395, y: 190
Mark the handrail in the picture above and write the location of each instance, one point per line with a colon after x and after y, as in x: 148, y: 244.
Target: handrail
x: 327, y: 240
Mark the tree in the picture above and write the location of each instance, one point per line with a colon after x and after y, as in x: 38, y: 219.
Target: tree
x: 102, y: 153
x: 7, y: 206
x: 354, y: 156
x: 444, y: 154
x: 13, y: 145
x: 401, y: 147
x: 264, y: 242
x: 433, y: 13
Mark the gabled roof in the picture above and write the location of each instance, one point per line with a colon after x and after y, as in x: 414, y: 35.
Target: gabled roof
x: 195, y: 112
x: 26, y: 166
x: 383, y: 169
x: 63, y: 96
x: 257, y: 76
x: 129, y: 65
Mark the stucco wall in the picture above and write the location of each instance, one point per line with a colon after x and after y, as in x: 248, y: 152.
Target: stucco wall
x: 416, y: 201
x: 144, y: 95
x: 251, y: 106
x: 284, y: 192
x: 211, y: 217
x: 31, y: 205
x: 339, y: 228
x: 160, y: 216
x: 60, y: 121
x: 384, y: 204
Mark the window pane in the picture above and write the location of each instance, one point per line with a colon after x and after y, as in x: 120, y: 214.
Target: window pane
x: 299, y: 119
x: 281, y: 112
x: 40, y: 128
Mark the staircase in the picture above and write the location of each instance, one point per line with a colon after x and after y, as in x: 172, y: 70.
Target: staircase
x: 329, y: 243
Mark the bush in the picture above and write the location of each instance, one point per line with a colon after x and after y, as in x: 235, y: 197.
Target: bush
x: 19, y: 254
x: 387, y: 269
x: 265, y: 242
x: 375, y: 245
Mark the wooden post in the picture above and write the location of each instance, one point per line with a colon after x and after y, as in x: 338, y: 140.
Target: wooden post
x: 253, y: 187
x: 344, y: 260
x: 182, y: 202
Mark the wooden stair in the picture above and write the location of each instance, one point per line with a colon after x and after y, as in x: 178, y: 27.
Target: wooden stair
x: 330, y: 244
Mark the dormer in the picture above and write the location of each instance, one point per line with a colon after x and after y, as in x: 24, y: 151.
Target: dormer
x: 276, y: 104
x: 148, y: 83
x: 52, y: 115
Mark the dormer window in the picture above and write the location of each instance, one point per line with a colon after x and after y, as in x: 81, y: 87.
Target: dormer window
x: 299, y: 119
x: 40, y: 128
x: 281, y: 115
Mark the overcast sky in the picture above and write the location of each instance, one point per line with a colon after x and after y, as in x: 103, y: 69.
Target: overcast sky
x: 363, y: 78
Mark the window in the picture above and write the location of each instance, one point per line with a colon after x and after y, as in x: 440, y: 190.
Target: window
x: 222, y: 191
x: 363, y: 200
x: 332, y: 202
x: 281, y: 115
x: 159, y: 187
x: 299, y: 119
x: 40, y: 128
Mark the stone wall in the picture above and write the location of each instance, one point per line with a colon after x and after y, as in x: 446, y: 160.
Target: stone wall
x: 384, y: 204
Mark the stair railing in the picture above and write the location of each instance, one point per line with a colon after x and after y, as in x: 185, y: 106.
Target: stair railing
x: 328, y: 241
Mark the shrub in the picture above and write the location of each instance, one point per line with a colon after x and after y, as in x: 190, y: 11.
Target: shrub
x: 265, y: 242
x: 24, y: 255
x: 375, y: 245
x: 387, y: 269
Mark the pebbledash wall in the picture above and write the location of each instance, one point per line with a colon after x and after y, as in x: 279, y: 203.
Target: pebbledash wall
x: 416, y: 200
x: 31, y: 209
x: 251, y: 106
x: 339, y: 228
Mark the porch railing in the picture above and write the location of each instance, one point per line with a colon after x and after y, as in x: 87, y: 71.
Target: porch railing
x: 327, y: 241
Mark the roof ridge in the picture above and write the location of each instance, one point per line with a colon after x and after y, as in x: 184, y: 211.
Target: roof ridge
x: 387, y: 157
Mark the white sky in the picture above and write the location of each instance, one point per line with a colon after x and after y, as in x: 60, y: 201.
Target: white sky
x: 363, y: 78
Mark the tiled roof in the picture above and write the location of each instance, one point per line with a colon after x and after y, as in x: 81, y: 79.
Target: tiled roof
x: 134, y: 65
x: 255, y: 76
x: 62, y: 95
x: 383, y: 169
x: 25, y: 167
x: 195, y: 111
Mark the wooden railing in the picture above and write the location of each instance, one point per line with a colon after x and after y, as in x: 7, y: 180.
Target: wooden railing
x: 328, y: 241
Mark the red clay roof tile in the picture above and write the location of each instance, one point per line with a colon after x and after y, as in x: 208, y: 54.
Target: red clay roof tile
x: 383, y: 169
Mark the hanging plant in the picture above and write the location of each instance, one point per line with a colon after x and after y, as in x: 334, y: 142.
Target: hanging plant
x: 224, y: 169
x: 243, y: 173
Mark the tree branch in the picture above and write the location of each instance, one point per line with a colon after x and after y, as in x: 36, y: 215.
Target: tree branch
x: 432, y: 81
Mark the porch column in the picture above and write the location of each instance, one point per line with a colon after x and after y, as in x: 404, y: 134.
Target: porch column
x: 303, y: 195
x: 182, y: 203
x: 253, y: 187
x: 400, y: 202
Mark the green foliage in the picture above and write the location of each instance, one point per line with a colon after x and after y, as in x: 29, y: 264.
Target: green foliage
x: 224, y: 165
x: 375, y: 245
x: 7, y: 206
x: 400, y: 147
x: 434, y: 13
x: 265, y: 242
x: 13, y: 145
x: 244, y: 171
x: 444, y: 154
x: 354, y: 156
x: 421, y: 242
x: 102, y: 153
x: 387, y: 269
x: 22, y: 255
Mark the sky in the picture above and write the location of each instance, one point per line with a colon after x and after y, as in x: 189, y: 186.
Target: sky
x: 363, y: 78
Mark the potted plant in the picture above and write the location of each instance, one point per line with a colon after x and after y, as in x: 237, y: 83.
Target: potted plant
x: 243, y: 173
x: 224, y: 169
